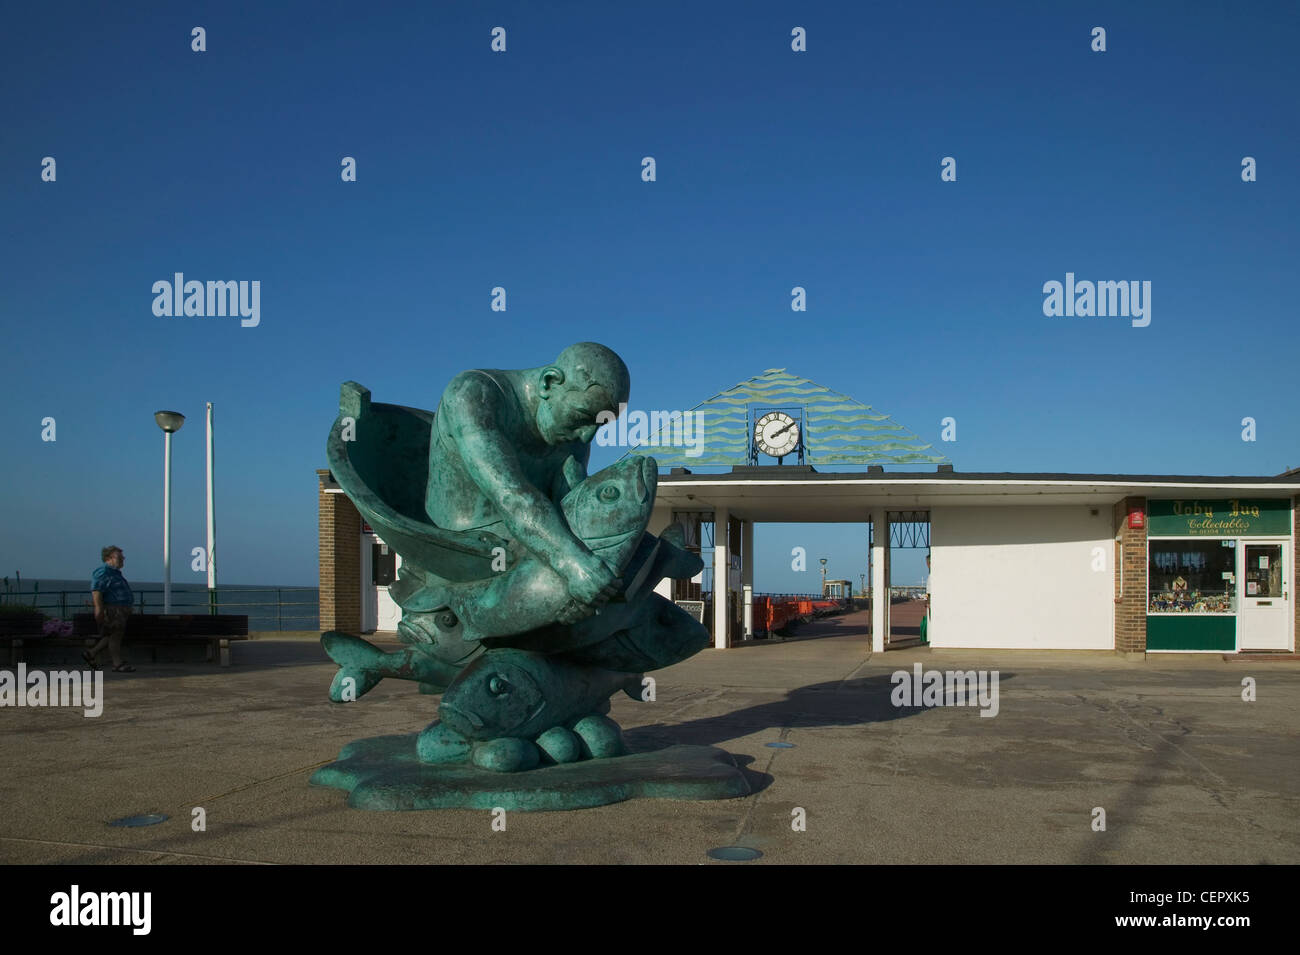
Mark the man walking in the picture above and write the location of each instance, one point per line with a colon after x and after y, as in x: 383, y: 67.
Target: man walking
x: 112, y: 596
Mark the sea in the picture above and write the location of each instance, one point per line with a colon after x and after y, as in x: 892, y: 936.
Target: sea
x: 267, y: 607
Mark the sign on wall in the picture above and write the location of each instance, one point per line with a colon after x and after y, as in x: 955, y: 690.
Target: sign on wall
x: 1228, y: 518
x: 693, y: 607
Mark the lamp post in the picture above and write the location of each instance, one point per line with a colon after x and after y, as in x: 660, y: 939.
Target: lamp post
x: 169, y: 421
x: 823, y: 560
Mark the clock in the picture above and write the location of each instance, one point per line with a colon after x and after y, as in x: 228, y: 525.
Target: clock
x: 776, y: 434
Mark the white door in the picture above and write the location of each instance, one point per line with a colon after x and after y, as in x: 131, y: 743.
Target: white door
x: 1265, y: 618
x: 390, y: 615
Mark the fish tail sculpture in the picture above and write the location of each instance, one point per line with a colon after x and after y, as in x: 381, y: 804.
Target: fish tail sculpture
x: 362, y: 665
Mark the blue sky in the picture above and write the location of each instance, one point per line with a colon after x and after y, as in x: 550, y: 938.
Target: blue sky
x: 522, y: 169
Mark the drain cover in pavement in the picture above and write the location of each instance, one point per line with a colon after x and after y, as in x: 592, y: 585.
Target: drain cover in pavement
x: 735, y: 854
x: 148, y: 819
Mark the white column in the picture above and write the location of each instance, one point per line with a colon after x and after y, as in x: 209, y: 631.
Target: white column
x: 212, y: 515
x: 879, y: 579
x: 747, y: 573
x: 721, y: 577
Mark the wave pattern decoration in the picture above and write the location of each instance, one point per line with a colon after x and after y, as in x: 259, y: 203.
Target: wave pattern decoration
x: 838, y: 429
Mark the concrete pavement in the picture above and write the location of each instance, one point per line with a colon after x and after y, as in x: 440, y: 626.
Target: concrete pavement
x: 1186, y: 771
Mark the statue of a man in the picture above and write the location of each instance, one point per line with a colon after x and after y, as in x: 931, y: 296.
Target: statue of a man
x: 507, y: 445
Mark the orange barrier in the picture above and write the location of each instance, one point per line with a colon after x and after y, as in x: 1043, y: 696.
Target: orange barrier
x: 774, y: 613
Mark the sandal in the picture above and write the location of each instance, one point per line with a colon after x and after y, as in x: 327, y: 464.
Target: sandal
x: 90, y: 660
x: 124, y: 668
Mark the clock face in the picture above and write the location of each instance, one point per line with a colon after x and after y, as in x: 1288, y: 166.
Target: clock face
x: 776, y: 433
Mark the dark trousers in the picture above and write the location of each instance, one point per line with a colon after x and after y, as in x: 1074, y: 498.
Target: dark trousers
x: 111, y: 631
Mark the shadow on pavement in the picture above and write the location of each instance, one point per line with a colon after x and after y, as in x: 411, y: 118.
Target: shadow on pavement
x: 848, y: 703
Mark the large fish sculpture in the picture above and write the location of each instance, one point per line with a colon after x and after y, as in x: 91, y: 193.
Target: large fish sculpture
x: 608, y: 512
x: 511, y: 710
x: 521, y: 693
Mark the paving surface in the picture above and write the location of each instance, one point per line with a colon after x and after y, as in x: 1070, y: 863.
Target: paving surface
x: 1186, y: 771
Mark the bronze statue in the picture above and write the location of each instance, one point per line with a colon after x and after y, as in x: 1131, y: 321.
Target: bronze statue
x: 526, y: 585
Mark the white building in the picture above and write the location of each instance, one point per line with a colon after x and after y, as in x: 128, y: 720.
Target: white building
x: 1026, y: 561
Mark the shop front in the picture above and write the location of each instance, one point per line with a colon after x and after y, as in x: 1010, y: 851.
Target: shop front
x: 1216, y: 577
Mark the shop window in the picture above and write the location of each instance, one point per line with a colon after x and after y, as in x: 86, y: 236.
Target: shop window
x: 1192, y: 576
x: 384, y: 565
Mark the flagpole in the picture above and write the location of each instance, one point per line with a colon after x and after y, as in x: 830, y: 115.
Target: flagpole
x: 212, y: 523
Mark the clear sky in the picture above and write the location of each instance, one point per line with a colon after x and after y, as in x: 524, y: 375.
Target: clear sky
x: 522, y: 169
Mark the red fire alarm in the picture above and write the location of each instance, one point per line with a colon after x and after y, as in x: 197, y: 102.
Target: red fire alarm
x: 1136, y: 517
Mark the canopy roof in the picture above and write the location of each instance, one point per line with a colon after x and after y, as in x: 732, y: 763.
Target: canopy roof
x: 801, y: 495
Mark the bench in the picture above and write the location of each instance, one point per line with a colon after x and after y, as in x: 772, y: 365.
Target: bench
x: 215, y: 631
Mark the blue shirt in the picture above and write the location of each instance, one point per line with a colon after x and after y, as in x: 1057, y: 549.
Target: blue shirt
x: 110, y: 582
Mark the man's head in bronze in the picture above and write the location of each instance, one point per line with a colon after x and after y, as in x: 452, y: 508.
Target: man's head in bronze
x: 585, y: 380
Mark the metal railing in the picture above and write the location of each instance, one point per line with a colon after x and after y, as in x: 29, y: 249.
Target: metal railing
x: 263, y: 614
x: 911, y: 591
x: 899, y: 590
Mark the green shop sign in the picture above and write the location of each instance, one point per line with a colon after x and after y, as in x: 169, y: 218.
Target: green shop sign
x: 1230, y: 518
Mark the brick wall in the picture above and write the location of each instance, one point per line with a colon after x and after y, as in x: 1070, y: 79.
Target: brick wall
x: 340, y: 560
x: 1131, y: 570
